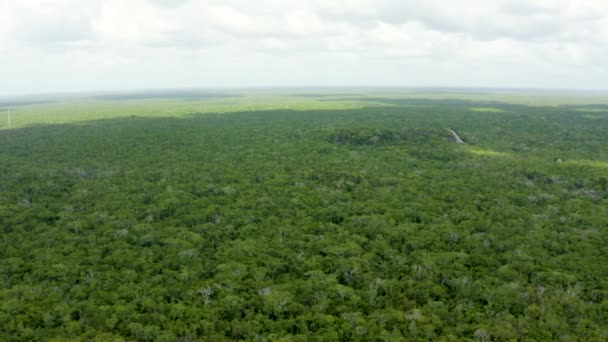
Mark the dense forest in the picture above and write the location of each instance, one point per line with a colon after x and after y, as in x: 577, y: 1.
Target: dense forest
x: 365, y: 224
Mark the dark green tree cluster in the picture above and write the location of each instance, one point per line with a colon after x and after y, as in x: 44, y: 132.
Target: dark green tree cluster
x: 353, y: 225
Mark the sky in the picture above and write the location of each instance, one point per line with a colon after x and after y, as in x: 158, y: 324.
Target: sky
x: 49, y: 46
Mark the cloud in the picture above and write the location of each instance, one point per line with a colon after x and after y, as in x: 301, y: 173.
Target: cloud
x: 500, y: 37
x: 170, y: 3
x: 45, y: 22
x: 162, y: 22
x: 485, y: 20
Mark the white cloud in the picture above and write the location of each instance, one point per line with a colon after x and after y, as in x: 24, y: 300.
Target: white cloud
x: 140, y: 22
x: 47, y: 22
x: 460, y: 42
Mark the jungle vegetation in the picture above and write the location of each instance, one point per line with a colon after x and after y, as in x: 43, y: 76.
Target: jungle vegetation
x: 363, y: 222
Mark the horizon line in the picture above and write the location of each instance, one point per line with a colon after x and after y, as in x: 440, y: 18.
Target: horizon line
x: 85, y: 93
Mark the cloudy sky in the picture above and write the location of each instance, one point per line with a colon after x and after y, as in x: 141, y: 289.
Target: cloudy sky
x: 87, y: 45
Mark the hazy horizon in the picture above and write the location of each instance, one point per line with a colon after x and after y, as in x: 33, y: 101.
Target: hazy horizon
x: 303, y: 89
